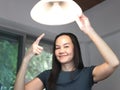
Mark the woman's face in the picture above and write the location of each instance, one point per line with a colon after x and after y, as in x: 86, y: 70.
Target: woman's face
x: 64, y: 49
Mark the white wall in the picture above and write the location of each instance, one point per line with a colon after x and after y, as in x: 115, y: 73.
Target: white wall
x: 105, y: 17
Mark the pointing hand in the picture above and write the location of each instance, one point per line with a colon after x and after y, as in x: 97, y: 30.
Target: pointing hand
x: 35, y: 48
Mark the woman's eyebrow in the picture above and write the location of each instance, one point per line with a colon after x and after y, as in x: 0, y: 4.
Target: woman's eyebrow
x: 63, y: 44
x: 66, y: 43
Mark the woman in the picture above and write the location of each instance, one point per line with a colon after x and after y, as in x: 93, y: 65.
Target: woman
x: 68, y: 71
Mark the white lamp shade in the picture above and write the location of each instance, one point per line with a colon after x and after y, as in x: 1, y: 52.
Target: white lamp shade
x: 55, y: 12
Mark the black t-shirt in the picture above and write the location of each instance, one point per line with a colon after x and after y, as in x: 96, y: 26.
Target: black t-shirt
x: 75, y: 80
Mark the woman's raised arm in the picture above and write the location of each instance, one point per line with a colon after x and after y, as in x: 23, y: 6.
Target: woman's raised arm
x: 111, y: 61
x: 20, y: 79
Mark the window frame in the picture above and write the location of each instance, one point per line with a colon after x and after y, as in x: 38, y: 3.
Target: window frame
x: 14, y: 34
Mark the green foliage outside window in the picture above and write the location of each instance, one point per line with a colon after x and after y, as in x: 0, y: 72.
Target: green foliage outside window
x: 8, y: 60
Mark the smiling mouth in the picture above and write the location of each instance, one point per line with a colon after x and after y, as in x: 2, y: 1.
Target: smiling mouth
x: 63, y: 56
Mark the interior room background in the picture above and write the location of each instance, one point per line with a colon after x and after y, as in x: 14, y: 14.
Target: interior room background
x: 18, y: 31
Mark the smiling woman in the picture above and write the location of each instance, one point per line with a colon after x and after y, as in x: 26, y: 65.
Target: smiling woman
x: 67, y: 62
x: 64, y: 50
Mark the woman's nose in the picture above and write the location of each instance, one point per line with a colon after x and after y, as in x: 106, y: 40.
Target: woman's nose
x: 61, y: 50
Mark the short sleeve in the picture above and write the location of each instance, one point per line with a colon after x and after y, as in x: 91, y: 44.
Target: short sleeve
x: 44, y: 76
x: 91, y: 75
x: 87, y: 73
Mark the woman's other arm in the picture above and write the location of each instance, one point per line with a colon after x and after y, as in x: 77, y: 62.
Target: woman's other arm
x: 111, y: 61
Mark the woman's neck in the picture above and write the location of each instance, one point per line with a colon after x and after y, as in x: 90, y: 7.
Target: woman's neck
x: 68, y: 67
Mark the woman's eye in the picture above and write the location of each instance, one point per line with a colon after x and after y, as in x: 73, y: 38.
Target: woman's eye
x: 66, y: 46
x: 57, y: 48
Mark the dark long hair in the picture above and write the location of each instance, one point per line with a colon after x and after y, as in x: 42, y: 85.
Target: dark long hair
x: 56, y: 66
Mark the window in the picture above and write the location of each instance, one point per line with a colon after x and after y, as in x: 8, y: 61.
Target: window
x: 10, y: 44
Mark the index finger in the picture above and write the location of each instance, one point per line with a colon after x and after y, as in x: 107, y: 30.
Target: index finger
x: 39, y: 38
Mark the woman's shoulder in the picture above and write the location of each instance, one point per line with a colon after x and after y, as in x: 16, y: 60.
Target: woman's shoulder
x: 45, y: 73
x: 43, y: 76
x: 88, y: 69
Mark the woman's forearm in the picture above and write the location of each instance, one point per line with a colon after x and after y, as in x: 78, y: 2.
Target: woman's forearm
x: 20, y: 79
x: 107, y: 53
x: 35, y: 49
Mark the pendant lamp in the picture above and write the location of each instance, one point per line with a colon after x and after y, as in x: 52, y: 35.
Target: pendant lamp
x: 55, y: 12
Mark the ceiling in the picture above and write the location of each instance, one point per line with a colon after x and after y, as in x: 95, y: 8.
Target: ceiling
x: 87, y: 4
x: 15, y: 14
